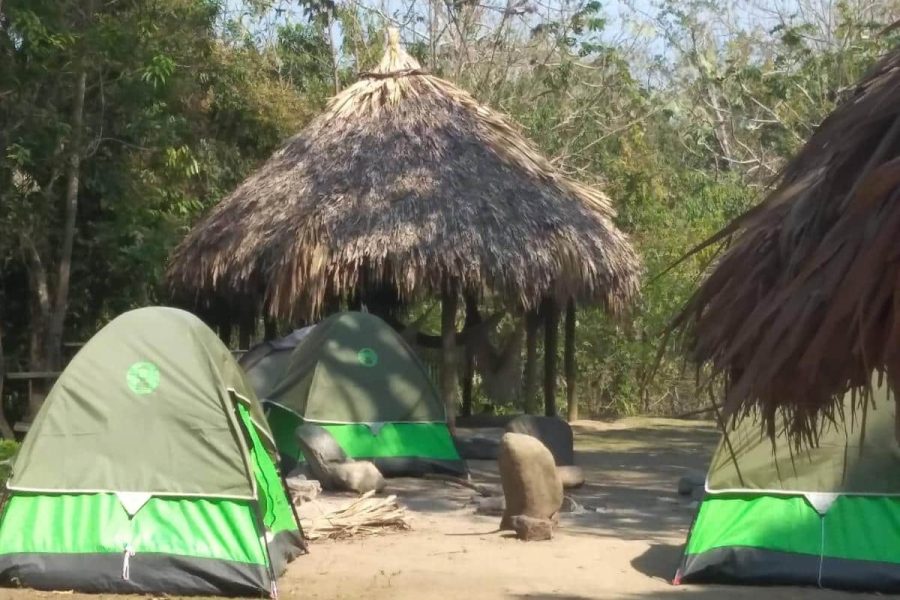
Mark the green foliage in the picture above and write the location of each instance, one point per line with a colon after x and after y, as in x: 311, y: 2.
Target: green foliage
x: 185, y: 97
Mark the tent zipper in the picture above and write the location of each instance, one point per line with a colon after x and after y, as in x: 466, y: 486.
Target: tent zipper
x: 126, y: 563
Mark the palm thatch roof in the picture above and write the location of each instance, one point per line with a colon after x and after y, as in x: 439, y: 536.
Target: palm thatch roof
x: 406, y: 182
x: 805, y: 303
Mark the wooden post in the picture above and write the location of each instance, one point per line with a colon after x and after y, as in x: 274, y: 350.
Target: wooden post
x: 270, y: 328
x: 532, y: 323
x: 472, y: 319
x: 448, y: 354
x: 247, y: 328
x: 569, y: 362
x: 551, y: 333
x: 223, y: 318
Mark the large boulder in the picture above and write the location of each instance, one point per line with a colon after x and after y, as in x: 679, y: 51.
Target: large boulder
x: 358, y: 476
x: 552, y: 431
x: 327, y: 463
x: 531, y: 485
x: 473, y: 446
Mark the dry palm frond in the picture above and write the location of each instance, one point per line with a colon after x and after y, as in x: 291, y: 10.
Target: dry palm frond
x: 364, y: 516
x: 406, y: 182
x: 805, y: 304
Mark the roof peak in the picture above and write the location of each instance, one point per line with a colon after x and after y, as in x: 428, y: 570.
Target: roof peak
x: 396, y: 58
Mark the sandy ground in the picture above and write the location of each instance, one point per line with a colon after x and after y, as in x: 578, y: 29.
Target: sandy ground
x: 625, y: 549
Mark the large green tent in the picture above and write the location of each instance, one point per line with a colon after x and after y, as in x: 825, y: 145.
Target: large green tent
x: 354, y: 375
x: 149, y: 469
x: 827, y: 515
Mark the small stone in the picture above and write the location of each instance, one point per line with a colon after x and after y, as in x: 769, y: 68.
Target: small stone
x: 492, y: 506
x: 530, y: 529
x: 571, y: 476
x: 569, y: 505
x: 689, y: 482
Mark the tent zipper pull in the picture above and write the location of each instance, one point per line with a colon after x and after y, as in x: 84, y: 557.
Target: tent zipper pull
x: 126, y: 563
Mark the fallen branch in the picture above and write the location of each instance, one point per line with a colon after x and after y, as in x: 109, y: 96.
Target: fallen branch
x: 481, y: 489
x: 364, y: 516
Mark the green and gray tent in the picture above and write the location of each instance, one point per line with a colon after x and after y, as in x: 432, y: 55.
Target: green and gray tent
x: 149, y: 469
x: 826, y: 516
x: 355, y: 376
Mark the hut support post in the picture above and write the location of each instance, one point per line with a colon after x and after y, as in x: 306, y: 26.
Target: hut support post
x: 224, y: 319
x: 270, y: 328
x: 448, y: 355
x: 551, y: 334
x: 532, y: 322
x: 247, y: 329
x: 571, y: 399
x: 472, y: 319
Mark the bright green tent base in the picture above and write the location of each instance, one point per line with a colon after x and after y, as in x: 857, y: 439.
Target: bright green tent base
x: 97, y: 523
x: 424, y: 441
x: 760, y: 539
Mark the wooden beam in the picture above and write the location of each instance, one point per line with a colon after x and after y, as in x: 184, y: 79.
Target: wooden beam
x: 569, y: 361
x: 448, y: 355
x: 472, y: 318
x: 551, y: 335
x: 532, y: 324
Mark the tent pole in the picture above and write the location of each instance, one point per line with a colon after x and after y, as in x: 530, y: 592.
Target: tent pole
x: 472, y: 318
x: 551, y: 333
x: 569, y: 360
x: 532, y: 322
x: 448, y: 354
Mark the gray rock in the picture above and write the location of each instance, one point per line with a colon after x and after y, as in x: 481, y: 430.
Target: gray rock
x: 552, y: 431
x: 531, y: 485
x: 530, y: 529
x: 303, y: 489
x: 357, y: 476
x: 690, y: 481
x: 571, y: 476
x: 320, y: 450
x: 493, y: 506
x: 476, y: 447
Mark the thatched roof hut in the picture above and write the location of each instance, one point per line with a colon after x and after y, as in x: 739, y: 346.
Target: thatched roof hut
x: 406, y: 183
x: 806, y: 301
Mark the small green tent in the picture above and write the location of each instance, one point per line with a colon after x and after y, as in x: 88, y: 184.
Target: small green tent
x: 149, y: 469
x: 826, y: 516
x: 354, y: 375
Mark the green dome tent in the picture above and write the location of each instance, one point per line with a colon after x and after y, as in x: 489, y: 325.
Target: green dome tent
x: 149, y: 469
x: 354, y: 375
x: 826, y: 516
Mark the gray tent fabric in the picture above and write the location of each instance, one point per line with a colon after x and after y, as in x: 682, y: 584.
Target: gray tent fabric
x: 266, y: 362
x: 146, y: 406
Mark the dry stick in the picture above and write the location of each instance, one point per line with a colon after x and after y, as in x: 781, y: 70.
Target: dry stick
x: 482, y: 490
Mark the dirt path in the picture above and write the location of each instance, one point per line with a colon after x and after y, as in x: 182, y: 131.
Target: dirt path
x: 625, y: 550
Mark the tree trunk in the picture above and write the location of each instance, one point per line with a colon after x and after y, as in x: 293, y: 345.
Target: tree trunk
x: 551, y: 333
x: 57, y: 321
x: 5, y: 430
x: 571, y: 399
x: 532, y: 323
x: 448, y: 355
x: 472, y: 318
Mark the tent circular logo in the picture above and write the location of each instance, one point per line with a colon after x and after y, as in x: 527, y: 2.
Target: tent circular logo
x: 142, y: 378
x: 367, y: 357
